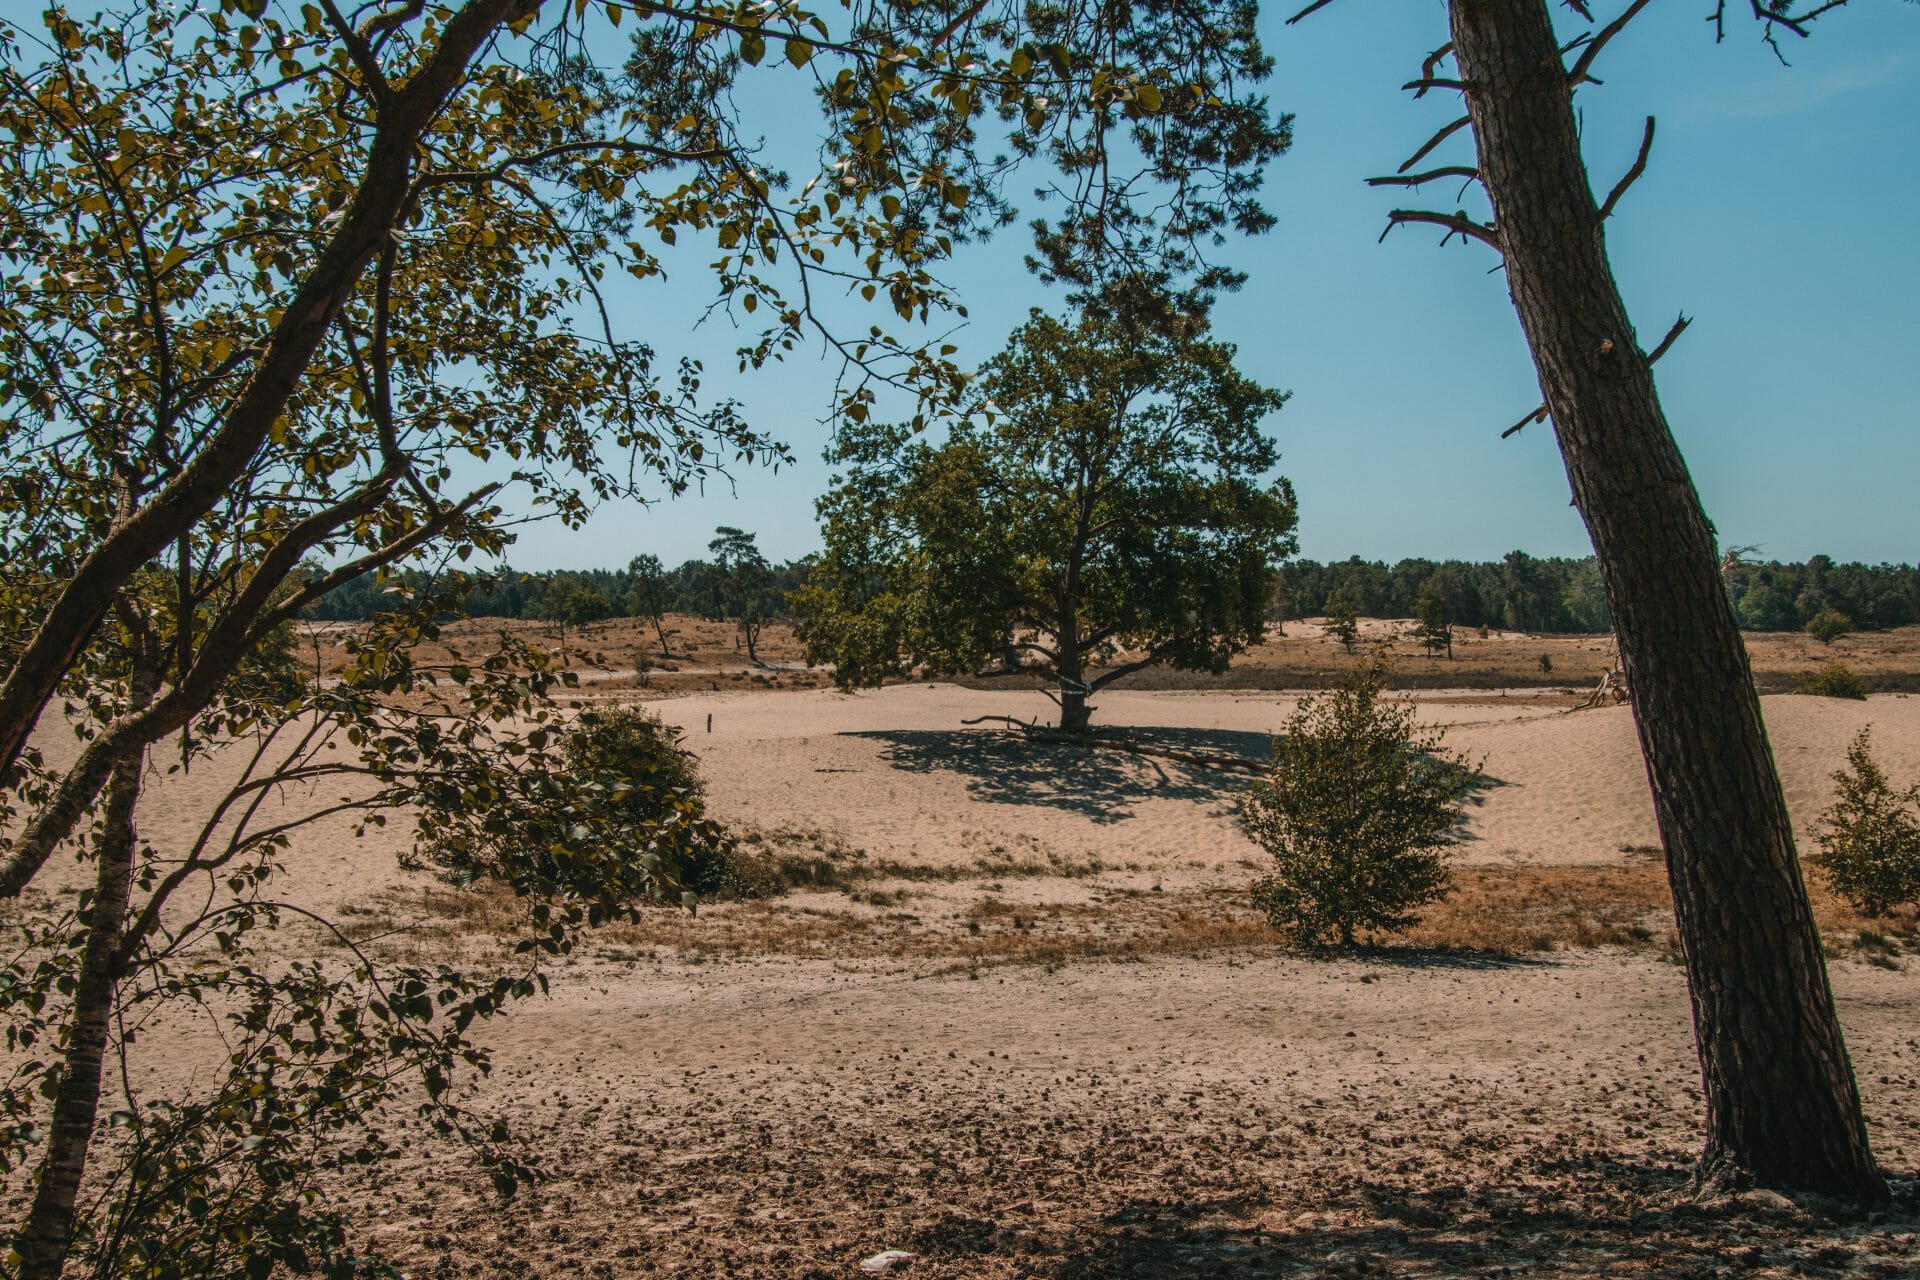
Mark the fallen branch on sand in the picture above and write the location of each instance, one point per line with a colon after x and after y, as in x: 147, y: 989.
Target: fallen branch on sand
x: 1205, y: 759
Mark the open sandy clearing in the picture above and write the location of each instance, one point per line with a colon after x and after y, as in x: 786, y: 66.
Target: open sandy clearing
x: 782, y: 1089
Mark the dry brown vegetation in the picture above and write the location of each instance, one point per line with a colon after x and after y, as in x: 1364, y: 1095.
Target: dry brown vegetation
x: 844, y: 906
x: 620, y: 658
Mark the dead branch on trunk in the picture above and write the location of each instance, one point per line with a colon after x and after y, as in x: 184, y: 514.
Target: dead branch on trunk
x: 1653, y: 357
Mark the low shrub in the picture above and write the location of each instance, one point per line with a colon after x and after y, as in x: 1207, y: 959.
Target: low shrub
x: 1870, y: 836
x: 1357, y: 810
x: 1828, y: 625
x: 1835, y: 680
x: 616, y: 818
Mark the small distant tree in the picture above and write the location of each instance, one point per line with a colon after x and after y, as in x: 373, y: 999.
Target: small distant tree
x: 1435, y: 624
x: 582, y: 605
x: 1357, y: 810
x: 1828, y: 625
x: 569, y: 605
x: 1343, y: 620
x: 744, y: 591
x: 1870, y: 836
x: 649, y: 592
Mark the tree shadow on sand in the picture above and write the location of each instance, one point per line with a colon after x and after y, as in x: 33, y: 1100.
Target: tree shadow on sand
x: 1624, y: 1218
x: 1102, y: 783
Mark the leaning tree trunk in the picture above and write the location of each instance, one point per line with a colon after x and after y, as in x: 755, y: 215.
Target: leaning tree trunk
x: 1782, y: 1105
x: 47, y: 1234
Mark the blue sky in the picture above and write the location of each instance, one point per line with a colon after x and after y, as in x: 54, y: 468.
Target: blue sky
x: 1779, y: 211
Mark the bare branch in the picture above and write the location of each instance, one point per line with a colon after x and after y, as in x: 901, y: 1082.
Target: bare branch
x: 1632, y: 175
x: 1431, y: 175
x: 1666, y: 343
x: 1311, y: 9
x: 1457, y: 224
x: 1433, y: 142
x: 1599, y: 42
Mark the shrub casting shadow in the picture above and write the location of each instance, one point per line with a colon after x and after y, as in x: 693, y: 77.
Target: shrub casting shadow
x: 1101, y: 782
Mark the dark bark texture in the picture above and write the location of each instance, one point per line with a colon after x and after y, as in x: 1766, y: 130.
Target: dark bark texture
x: 1782, y: 1104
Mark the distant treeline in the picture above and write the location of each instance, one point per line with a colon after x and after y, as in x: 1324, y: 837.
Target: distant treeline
x: 569, y: 595
x: 1517, y: 593
x: 1521, y: 593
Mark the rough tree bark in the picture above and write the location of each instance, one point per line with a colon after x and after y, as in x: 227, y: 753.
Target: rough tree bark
x: 46, y: 1235
x: 1782, y: 1104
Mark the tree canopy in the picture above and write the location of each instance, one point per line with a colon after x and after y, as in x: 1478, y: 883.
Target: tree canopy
x: 1103, y: 507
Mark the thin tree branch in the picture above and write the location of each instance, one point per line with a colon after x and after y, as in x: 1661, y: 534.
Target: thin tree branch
x: 1457, y: 224
x: 1433, y: 142
x: 1585, y: 62
x: 1632, y: 175
x: 1431, y: 175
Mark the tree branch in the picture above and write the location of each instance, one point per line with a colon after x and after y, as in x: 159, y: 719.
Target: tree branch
x: 1632, y: 175
x: 1431, y: 175
x: 1433, y: 142
x: 1457, y: 224
x: 75, y: 613
x: 1584, y: 63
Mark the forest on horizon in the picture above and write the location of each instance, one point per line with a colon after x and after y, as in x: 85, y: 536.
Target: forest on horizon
x: 1518, y: 592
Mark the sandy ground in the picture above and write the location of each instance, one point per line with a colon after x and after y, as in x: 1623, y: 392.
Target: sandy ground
x: 1233, y: 1110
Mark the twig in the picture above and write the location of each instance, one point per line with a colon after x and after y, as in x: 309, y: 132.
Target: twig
x: 1632, y: 175
x: 1433, y: 142
x: 1599, y: 42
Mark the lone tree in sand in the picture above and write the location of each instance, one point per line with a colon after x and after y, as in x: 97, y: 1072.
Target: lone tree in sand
x: 1105, y: 494
x: 1343, y: 620
x: 1782, y: 1103
x: 743, y: 589
x: 276, y: 274
x: 648, y: 594
x: 1435, y: 607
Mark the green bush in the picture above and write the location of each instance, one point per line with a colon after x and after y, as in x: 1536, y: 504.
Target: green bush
x: 1870, y: 836
x: 617, y: 816
x: 1835, y: 680
x: 1829, y: 625
x: 657, y: 785
x: 1357, y: 810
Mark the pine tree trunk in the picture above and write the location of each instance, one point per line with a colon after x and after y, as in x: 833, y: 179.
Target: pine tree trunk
x: 1782, y: 1105
x: 47, y: 1234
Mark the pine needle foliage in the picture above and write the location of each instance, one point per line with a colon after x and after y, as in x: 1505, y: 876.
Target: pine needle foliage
x: 1358, y: 810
